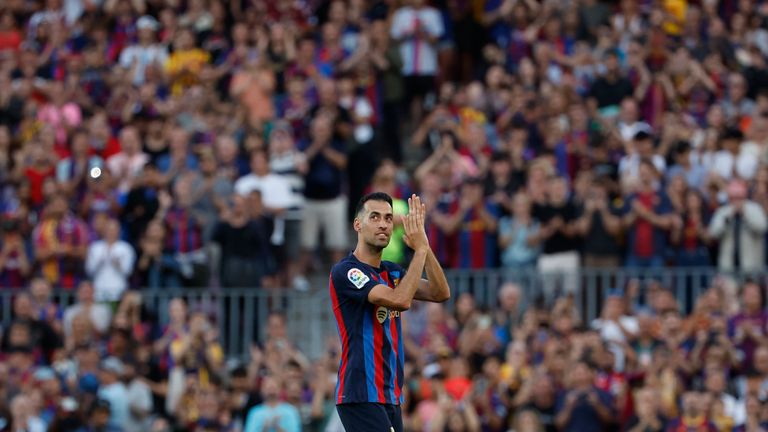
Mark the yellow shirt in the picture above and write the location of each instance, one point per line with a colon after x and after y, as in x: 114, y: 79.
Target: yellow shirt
x: 676, y: 9
x: 184, y: 68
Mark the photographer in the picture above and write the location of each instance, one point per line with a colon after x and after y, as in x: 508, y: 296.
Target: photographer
x: 740, y: 226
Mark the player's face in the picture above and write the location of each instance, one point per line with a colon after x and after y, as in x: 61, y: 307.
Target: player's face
x: 375, y: 223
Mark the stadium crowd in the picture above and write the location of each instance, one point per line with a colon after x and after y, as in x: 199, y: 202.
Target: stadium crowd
x: 150, y: 144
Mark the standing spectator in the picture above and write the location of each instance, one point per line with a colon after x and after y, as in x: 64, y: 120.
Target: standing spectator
x: 646, y: 220
x: 272, y: 414
x: 243, y: 234
x: 15, y: 265
x: 740, y: 226
x: 691, y: 238
x: 326, y: 205
x: 517, y: 235
x: 146, y: 53
x: 275, y: 189
x: 127, y: 165
x: 388, y: 64
x: 599, y: 225
x: 747, y: 329
x: 694, y: 414
x: 286, y: 160
x: 609, y: 90
x: 110, y: 263
x: 417, y: 27
x: 647, y: 416
x: 60, y: 244
x: 583, y: 406
x: 474, y: 220
x: 184, y: 252
x: 113, y: 391
x: 557, y: 235
x: 185, y: 66
x: 142, y: 202
x: 100, y: 315
x: 640, y: 147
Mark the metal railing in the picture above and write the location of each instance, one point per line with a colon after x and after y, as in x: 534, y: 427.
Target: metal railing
x: 241, y: 314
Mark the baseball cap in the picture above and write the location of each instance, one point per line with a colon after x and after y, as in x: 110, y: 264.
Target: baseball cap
x: 114, y: 365
x: 147, y: 22
x: 44, y: 373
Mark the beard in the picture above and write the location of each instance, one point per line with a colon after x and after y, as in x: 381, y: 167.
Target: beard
x: 376, y: 245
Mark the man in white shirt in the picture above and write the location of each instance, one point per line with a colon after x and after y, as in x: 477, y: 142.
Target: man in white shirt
x: 417, y: 29
x: 276, y: 192
x: 138, y: 57
x: 615, y: 327
x: 629, y: 124
x: 99, y: 314
x: 110, y: 263
x: 641, y: 147
x: 126, y: 165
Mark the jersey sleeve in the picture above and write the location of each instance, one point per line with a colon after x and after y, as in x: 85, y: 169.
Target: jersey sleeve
x: 351, y: 282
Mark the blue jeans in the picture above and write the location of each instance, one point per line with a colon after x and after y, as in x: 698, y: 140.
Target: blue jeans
x: 634, y: 261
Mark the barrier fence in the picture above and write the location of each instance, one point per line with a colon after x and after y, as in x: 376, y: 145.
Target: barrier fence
x: 241, y: 314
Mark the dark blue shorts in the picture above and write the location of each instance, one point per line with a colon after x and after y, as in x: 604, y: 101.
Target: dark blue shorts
x: 370, y: 417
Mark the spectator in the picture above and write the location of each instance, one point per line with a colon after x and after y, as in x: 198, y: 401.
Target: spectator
x: 15, y: 265
x: 325, y: 204
x: 646, y: 218
x: 113, y: 391
x: 243, y: 234
x: 99, y: 315
x: 110, y: 263
x: 740, y: 227
x: 183, y: 254
x: 417, y: 28
x: 142, y: 202
x: 583, y: 406
x: 473, y: 220
x: 693, y: 415
x: 557, y: 235
x: 43, y: 305
x: 609, y: 90
x: 599, y: 225
x: 60, y: 244
x: 518, y: 234
x: 647, y: 417
x: 272, y: 413
x: 127, y: 165
x: 146, y: 54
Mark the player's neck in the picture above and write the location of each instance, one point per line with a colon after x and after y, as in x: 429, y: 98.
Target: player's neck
x: 366, y: 255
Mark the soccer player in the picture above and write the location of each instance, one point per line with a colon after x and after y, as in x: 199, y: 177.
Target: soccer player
x: 368, y: 297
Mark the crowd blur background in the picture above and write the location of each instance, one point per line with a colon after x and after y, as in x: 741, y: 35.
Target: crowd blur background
x: 158, y: 144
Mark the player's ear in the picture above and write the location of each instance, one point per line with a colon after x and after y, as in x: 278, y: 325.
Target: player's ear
x: 357, y: 225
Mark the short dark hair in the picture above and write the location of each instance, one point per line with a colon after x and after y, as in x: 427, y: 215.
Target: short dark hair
x: 373, y: 196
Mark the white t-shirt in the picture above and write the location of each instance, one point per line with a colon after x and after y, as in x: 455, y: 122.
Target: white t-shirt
x: 419, y: 56
x: 109, y: 267
x: 276, y: 192
x: 145, y: 56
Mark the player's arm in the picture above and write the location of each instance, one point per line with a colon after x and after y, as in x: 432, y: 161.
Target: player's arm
x: 400, y: 298
x: 415, y: 237
x: 435, y: 287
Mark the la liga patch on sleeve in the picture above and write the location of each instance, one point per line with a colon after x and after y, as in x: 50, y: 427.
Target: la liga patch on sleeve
x: 357, y: 277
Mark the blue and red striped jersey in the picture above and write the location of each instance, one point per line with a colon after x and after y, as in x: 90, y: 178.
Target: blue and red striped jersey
x: 372, y: 353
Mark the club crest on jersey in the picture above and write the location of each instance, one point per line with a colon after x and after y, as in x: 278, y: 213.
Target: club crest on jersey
x: 381, y: 314
x: 357, y: 277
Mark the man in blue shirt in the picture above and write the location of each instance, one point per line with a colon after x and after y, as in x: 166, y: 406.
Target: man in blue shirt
x: 272, y: 415
x: 584, y: 407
